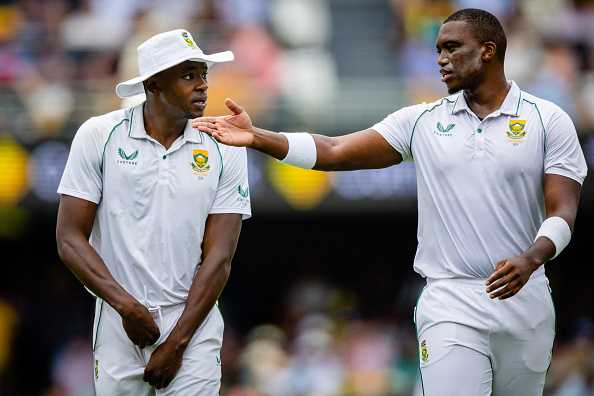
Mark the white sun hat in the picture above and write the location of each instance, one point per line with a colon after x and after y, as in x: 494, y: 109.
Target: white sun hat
x: 163, y: 51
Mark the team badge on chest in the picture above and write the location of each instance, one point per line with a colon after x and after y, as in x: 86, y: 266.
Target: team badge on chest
x: 516, y: 131
x: 200, y: 163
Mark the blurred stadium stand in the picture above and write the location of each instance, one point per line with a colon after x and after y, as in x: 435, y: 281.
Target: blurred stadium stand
x: 334, y: 316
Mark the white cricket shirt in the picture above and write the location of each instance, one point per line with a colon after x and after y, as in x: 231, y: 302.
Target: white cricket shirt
x: 481, y: 183
x: 153, y: 203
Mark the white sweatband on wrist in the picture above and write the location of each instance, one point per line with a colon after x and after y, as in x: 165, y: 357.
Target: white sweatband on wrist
x: 557, y: 230
x: 302, y: 150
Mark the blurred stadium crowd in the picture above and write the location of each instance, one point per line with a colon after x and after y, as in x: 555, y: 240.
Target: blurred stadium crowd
x: 331, y: 66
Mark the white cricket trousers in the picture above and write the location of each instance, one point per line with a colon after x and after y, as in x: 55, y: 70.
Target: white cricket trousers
x: 119, y: 364
x: 471, y: 345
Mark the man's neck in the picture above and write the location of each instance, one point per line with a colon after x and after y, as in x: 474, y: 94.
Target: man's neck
x: 488, y: 97
x: 162, y: 128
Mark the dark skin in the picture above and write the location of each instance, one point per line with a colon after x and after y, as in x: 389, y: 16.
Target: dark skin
x: 173, y: 97
x: 466, y: 65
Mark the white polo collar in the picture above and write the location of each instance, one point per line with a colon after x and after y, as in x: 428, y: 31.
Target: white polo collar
x: 510, y: 106
x: 137, y: 130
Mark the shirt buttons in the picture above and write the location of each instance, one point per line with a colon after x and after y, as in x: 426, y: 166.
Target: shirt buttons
x: 166, y: 156
x: 479, y: 131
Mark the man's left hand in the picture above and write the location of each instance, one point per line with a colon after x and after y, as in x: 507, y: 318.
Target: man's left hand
x: 163, y: 365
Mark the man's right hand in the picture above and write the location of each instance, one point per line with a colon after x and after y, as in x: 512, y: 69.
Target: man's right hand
x: 232, y: 130
x: 140, y: 326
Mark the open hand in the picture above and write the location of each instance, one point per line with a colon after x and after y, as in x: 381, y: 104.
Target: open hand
x: 232, y: 130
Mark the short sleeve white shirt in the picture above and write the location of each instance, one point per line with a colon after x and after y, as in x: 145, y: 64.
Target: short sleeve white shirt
x: 153, y: 203
x: 481, y: 183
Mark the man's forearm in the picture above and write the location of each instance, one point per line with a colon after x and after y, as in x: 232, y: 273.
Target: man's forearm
x: 270, y: 143
x: 86, y: 264
x: 204, y: 292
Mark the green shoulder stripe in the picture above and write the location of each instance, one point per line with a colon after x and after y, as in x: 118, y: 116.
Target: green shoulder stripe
x: 541, y: 123
x: 217, y: 143
x: 107, y: 141
x: 419, y: 117
x: 131, y: 118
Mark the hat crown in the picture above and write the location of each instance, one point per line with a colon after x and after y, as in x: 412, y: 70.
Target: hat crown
x: 165, y: 49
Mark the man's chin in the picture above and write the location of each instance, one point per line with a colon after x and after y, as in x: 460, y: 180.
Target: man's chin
x: 193, y: 114
x: 453, y: 90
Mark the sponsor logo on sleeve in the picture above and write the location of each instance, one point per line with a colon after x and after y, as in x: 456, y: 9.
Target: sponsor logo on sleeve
x: 243, y: 198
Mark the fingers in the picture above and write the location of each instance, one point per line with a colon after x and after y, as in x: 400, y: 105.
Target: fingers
x: 234, y: 107
x: 154, y: 379
x: 204, y: 122
x: 497, y: 274
x: 504, y: 289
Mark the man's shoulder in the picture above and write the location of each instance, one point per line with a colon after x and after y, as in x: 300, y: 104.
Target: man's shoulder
x: 438, y: 107
x: 112, y: 118
x: 441, y: 104
x: 542, y: 105
x: 107, y: 123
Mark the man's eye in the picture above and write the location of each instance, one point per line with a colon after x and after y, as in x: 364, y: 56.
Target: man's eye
x: 204, y: 76
x: 188, y: 76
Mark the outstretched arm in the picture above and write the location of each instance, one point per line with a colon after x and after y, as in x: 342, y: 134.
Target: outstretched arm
x: 220, y: 240
x: 562, y: 196
x: 365, y: 149
x: 75, y: 222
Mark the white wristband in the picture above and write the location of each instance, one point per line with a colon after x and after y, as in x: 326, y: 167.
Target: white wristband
x: 302, y: 150
x: 557, y: 230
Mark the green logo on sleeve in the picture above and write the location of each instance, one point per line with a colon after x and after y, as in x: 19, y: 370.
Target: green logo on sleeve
x: 244, y: 193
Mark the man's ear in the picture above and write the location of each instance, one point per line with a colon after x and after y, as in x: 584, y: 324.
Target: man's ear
x: 489, y: 50
x: 152, y: 85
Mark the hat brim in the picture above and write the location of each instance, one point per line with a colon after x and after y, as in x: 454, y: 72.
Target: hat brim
x: 134, y: 86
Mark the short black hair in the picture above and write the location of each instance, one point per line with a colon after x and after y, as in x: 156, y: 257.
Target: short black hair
x: 484, y: 26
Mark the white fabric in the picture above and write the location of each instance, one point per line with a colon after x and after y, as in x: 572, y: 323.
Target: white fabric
x: 163, y: 51
x: 302, y: 150
x: 153, y: 203
x: 480, y: 187
x: 119, y: 364
x: 557, y: 230
x: 470, y: 344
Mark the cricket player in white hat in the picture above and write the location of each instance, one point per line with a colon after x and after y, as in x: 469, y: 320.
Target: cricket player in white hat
x: 149, y: 220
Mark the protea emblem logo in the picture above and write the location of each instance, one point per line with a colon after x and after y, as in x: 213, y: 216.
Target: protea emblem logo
x: 424, y: 353
x: 200, y: 163
x: 516, y: 129
x: 188, y: 40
